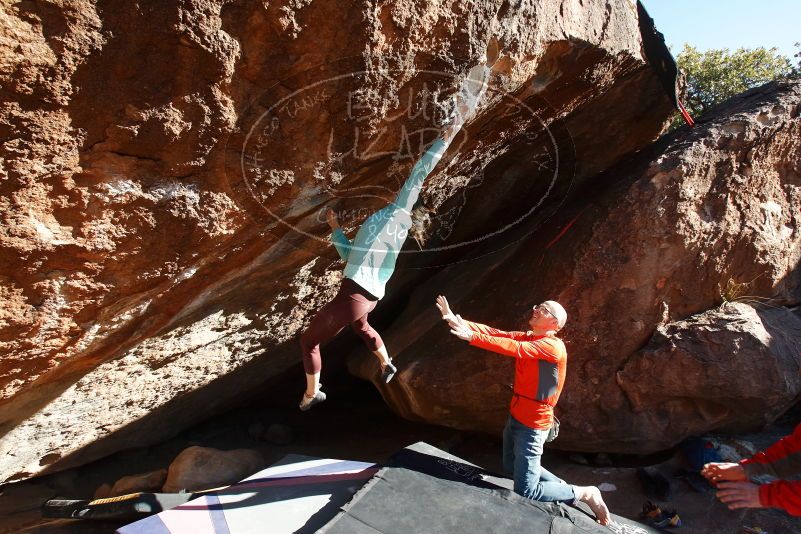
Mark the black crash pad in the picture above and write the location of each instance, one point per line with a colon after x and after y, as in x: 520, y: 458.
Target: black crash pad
x: 424, y: 489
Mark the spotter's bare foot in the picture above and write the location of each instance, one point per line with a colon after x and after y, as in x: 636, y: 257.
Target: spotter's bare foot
x: 592, y: 496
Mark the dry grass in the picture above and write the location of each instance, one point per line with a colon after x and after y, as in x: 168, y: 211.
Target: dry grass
x: 734, y: 291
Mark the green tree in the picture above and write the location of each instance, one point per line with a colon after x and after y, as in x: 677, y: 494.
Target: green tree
x: 716, y: 75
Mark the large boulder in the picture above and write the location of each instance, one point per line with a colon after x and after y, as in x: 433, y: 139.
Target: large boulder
x: 731, y: 369
x: 164, y: 162
x: 705, y: 215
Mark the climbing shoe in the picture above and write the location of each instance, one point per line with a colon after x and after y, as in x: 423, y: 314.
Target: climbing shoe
x: 308, y: 402
x: 388, y: 372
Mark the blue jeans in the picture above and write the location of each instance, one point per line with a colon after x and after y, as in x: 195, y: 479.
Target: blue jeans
x: 522, y: 452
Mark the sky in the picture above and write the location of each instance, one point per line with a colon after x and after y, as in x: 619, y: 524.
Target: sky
x: 728, y: 24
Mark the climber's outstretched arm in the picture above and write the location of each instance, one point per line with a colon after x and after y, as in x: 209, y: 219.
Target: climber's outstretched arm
x: 407, y: 196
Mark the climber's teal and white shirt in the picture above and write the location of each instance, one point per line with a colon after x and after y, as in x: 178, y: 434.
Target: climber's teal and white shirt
x: 372, y: 254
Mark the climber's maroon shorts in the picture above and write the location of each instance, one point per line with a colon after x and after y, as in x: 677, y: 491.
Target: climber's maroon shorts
x: 350, y: 306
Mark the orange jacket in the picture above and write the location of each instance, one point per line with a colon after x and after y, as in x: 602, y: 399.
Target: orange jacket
x: 781, y: 460
x: 539, y: 371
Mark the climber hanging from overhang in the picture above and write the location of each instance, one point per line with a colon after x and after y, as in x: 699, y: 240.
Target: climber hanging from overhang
x: 372, y: 253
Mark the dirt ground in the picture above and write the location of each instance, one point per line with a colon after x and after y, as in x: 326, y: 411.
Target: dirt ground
x: 355, y: 424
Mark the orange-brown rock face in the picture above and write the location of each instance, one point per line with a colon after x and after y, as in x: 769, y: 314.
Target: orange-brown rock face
x: 704, y: 215
x: 164, y: 164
